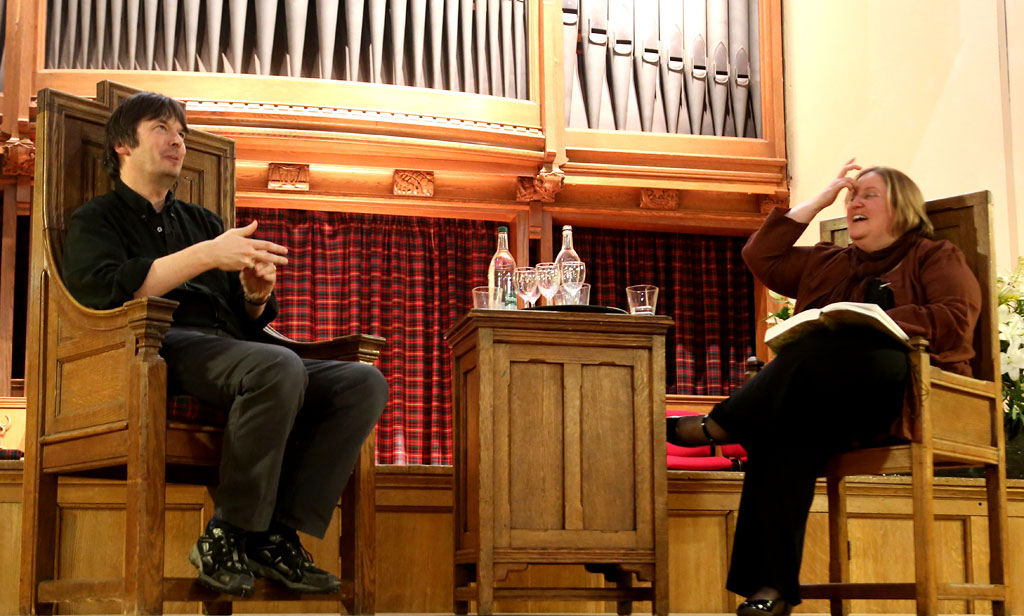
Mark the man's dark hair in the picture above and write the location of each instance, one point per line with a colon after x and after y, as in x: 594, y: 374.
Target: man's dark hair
x: 122, y: 127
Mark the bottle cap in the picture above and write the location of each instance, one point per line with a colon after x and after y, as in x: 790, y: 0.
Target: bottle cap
x: 500, y: 229
x: 567, y: 228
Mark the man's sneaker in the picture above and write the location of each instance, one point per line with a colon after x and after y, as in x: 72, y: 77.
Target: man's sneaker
x: 279, y: 556
x: 219, y: 555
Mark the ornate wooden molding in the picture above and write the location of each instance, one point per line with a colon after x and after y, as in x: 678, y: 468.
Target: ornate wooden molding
x: 288, y: 176
x: 273, y: 114
x: 18, y: 157
x: 542, y: 187
x: 659, y: 199
x: 412, y: 183
x: 770, y: 202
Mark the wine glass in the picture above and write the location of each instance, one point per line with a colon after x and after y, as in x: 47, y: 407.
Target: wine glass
x: 525, y: 279
x: 548, y: 280
x: 573, y: 273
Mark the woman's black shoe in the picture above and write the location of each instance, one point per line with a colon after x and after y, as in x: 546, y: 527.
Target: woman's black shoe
x: 670, y: 431
x: 674, y: 438
x: 764, y: 607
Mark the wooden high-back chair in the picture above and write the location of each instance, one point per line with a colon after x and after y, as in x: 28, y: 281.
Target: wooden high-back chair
x: 97, y: 387
x: 959, y: 424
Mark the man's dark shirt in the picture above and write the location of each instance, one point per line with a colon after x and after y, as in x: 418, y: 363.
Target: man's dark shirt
x: 113, y: 240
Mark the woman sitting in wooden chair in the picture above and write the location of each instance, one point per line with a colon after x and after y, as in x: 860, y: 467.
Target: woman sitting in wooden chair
x: 832, y: 389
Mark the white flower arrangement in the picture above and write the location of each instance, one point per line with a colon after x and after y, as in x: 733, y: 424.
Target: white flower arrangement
x: 1011, y: 346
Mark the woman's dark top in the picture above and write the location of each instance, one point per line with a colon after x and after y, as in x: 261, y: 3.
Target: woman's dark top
x: 934, y: 293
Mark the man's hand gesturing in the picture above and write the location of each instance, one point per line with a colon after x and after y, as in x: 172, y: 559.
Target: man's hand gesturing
x: 234, y: 250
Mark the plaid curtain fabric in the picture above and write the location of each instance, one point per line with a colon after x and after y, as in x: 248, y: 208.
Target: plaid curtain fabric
x: 406, y: 279
x: 409, y: 279
x: 703, y: 285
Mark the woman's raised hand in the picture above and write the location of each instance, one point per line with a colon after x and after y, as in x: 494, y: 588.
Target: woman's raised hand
x: 806, y: 211
x: 831, y: 192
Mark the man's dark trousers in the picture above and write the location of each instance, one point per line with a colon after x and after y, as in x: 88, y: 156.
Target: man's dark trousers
x: 294, y: 429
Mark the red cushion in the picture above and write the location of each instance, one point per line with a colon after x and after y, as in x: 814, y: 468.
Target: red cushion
x: 189, y: 409
x: 699, y: 464
x: 688, y: 452
x: 734, y: 451
x: 678, y: 413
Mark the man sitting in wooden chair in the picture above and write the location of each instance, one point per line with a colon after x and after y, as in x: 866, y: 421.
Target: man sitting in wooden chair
x: 295, y: 426
x: 831, y: 389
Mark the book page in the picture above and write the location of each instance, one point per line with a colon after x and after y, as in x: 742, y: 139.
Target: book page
x: 833, y: 316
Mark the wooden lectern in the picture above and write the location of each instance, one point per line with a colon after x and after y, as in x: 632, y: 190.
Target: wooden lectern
x: 559, y: 453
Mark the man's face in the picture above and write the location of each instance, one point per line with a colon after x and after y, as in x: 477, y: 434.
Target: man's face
x: 160, y: 153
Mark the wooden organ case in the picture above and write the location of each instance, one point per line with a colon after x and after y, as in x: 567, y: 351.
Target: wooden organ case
x: 531, y: 113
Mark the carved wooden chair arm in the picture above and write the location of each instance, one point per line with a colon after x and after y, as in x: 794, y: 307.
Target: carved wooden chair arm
x: 919, y: 343
x: 146, y: 319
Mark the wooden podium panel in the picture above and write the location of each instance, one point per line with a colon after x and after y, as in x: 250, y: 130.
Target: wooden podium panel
x: 559, y: 453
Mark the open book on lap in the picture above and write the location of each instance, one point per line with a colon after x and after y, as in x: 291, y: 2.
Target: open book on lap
x: 833, y: 316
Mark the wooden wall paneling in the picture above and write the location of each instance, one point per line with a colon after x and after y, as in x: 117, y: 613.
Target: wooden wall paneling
x: 773, y: 113
x: 8, y: 245
x: 25, y: 29
x: 762, y: 308
x: 552, y: 93
x: 698, y: 564
x: 1015, y: 558
x: 10, y: 535
x: 414, y: 540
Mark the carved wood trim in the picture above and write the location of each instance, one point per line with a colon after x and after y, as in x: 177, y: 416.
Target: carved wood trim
x: 288, y: 176
x: 18, y: 158
x: 542, y: 187
x: 412, y: 183
x: 770, y: 202
x: 270, y: 114
x: 659, y: 199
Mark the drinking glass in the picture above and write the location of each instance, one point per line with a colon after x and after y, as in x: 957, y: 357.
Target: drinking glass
x: 547, y: 280
x: 642, y: 298
x: 483, y: 297
x: 573, y: 273
x: 525, y: 279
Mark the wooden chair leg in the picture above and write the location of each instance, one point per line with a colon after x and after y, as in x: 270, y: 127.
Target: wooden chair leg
x: 623, y: 581
x: 485, y: 584
x: 145, y: 496
x: 659, y: 606
x: 838, y: 542
x: 923, y: 492
x: 359, y: 532
x: 998, y: 532
x: 38, y: 537
x: 218, y: 608
x: 464, y: 576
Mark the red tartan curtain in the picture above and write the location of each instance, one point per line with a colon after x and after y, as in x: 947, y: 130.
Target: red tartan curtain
x: 703, y: 285
x: 406, y: 279
x: 409, y: 279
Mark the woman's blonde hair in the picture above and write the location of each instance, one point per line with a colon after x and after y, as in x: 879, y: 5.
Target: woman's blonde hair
x: 905, y: 199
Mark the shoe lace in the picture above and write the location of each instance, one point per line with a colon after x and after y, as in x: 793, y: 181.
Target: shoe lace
x: 296, y: 547
x: 229, y: 549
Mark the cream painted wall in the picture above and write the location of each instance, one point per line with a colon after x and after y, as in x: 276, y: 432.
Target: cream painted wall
x: 920, y: 85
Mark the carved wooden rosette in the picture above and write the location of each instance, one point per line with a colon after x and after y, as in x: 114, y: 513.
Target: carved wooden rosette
x: 288, y: 176
x: 542, y: 187
x: 659, y: 199
x: 18, y: 158
x: 770, y: 202
x: 412, y: 183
